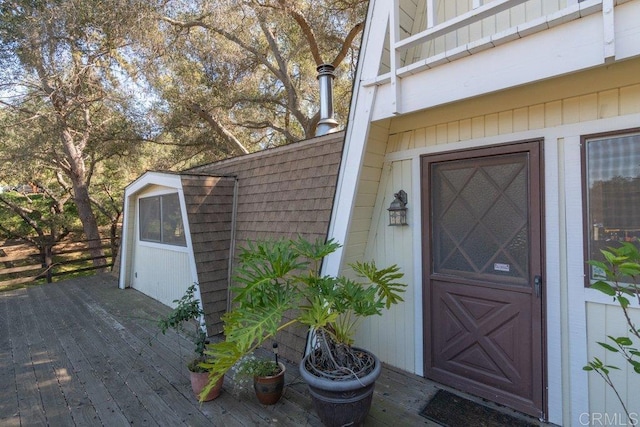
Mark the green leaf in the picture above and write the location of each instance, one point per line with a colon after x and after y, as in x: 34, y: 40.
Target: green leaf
x: 318, y: 314
x: 608, y: 347
x: 604, y: 287
x: 388, y: 290
x: 622, y: 341
x: 629, y: 268
x: 624, y: 302
x: 252, y: 326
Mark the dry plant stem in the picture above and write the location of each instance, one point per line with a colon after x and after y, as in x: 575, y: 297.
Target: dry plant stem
x: 609, y: 382
x: 322, y: 359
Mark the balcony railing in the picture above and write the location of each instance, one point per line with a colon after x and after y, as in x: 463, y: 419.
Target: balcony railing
x: 424, y: 34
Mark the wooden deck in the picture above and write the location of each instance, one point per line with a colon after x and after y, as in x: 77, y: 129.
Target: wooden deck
x: 82, y: 352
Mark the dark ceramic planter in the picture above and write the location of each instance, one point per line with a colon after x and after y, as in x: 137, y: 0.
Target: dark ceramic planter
x: 269, y: 389
x: 341, y: 403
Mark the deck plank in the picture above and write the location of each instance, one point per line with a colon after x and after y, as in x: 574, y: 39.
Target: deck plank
x: 53, y: 401
x: 29, y: 402
x: 105, y: 363
x: 82, y: 352
x: 9, y: 412
x: 79, y: 406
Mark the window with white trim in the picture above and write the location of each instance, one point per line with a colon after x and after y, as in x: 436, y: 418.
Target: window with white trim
x: 612, y: 193
x: 161, y: 220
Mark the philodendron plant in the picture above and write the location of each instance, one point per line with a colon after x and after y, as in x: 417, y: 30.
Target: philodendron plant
x: 621, y: 268
x: 276, y: 276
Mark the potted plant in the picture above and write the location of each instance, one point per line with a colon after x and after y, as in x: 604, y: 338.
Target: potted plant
x: 275, y: 277
x: 267, y: 377
x: 189, y: 311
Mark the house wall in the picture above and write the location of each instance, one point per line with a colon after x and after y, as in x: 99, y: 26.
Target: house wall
x: 604, y: 320
x: 559, y: 111
x: 209, y: 203
x: 446, y: 10
x: 163, y: 272
x: 284, y: 192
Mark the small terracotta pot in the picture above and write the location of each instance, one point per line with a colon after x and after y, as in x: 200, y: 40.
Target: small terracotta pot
x: 269, y: 389
x: 199, y: 380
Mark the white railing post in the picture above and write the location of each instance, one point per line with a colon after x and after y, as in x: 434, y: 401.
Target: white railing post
x: 431, y: 14
x: 394, y: 38
x: 609, y: 31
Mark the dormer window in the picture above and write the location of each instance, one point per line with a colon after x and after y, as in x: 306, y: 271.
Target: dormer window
x: 161, y: 220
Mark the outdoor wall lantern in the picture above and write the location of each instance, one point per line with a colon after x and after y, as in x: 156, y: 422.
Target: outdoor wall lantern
x: 398, y: 209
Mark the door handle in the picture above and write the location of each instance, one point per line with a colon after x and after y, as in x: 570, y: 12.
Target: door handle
x: 537, y: 285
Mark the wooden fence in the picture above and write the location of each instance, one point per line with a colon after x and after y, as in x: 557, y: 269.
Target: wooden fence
x: 66, y: 258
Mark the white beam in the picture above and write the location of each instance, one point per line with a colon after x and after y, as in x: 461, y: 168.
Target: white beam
x: 609, y: 31
x: 431, y: 13
x: 394, y: 37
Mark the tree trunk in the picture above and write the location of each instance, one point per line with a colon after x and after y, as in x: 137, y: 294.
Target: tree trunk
x: 89, y: 223
x: 77, y: 172
x: 46, y: 253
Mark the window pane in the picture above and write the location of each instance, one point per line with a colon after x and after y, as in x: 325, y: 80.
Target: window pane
x: 613, y: 196
x: 172, y: 226
x: 150, y: 219
x: 480, y: 217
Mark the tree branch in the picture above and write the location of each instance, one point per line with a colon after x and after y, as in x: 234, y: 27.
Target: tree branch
x: 217, y: 127
x: 347, y: 44
x: 306, y: 30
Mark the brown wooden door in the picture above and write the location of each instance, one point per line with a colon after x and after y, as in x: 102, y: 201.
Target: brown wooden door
x: 482, y: 273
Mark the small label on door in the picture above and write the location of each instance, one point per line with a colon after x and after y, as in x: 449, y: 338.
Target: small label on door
x: 501, y: 267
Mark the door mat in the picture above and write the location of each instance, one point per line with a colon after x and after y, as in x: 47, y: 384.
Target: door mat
x: 451, y: 410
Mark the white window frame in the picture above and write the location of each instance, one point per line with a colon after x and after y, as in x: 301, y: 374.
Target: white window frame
x: 161, y: 242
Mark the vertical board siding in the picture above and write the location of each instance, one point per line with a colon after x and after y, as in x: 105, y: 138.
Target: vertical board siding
x: 161, y: 273
x: 368, y: 186
x: 597, y: 105
x: 499, y: 28
x: 479, y: 119
x: 602, y: 321
x: 446, y: 10
x: 385, y: 334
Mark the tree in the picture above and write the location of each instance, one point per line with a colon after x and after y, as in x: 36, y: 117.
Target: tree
x: 40, y: 219
x: 84, y: 86
x: 243, y: 73
x: 64, y: 88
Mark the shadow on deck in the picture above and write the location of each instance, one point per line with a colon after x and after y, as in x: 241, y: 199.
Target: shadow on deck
x: 83, y: 352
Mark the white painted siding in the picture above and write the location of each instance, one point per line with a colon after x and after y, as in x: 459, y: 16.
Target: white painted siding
x: 559, y: 111
x: 385, y: 334
x: 415, y: 17
x: 604, y: 320
x: 164, y: 272
x: 161, y: 273
x: 554, y: 38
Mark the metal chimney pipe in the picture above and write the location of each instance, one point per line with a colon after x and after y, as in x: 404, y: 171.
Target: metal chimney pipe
x: 327, y: 123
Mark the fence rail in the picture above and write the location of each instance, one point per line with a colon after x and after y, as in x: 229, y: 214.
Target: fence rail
x: 66, y: 258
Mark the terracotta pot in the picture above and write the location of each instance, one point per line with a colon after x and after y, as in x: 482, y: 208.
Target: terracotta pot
x: 269, y: 389
x: 199, y: 380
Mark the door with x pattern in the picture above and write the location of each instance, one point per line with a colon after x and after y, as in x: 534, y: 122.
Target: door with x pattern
x: 483, y: 323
